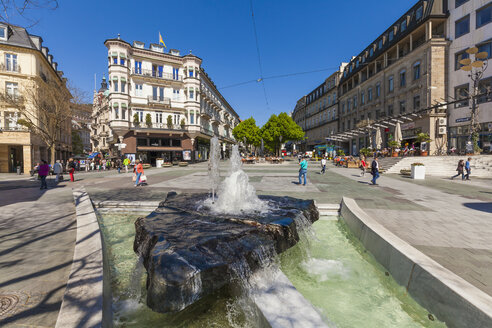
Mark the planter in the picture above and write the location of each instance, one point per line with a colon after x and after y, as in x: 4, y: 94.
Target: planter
x: 183, y: 164
x: 394, y: 154
x: 167, y: 164
x: 159, y: 162
x: 424, y: 153
x: 418, y: 172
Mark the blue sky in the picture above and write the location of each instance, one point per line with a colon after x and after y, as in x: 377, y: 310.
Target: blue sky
x: 294, y: 36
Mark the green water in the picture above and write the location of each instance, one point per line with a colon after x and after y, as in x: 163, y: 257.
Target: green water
x: 345, y: 283
x: 334, y: 273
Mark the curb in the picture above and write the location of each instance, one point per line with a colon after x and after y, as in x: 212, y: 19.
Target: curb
x: 82, y: 304
x: 449, y: 297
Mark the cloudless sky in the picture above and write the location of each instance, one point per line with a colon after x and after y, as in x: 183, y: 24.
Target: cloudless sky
x: 294, y: 36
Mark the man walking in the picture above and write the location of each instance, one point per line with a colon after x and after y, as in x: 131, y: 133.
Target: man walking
x: 468, y: 169
x: 57, y: 169
x: 43, y: 171
x: 303, y: 170
x: 375, y: 170
x: 126, y: 162
x: 323, y: 165
x: 459, y: 169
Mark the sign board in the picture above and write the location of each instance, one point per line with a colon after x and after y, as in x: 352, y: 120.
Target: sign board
x: 407, y: 126
x: 469, y: 147
x: 187, y: 155
x: 463, y: 119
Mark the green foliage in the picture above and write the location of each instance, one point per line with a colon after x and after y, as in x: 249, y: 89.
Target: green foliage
x: 249, y: 131
x: 393, y: 144
x: 475, y: 137
x: 183, y: 123
x: 280, y: 129
x: 24, y: 122
x: 77, y: 145
x: 366, y: 152
x: 148, y: 120
x: 169, y: 121
x: 340, y: 152
x: 135, y: 119
x: 423, y: 137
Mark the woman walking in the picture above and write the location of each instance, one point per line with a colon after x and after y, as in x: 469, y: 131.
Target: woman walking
x: 43, y: 171
x: 460, y: 169
x: 303, y: 170
x: 71, y: 169
x: 363, y: 166
x: 138, y: 171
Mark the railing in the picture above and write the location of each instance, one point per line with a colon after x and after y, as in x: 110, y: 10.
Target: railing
x: 14, y: 128
x: 11, y: 68
x: 207, y: 131
x: 156, y: 74
x: 163, y: 126
x: 159, y: 100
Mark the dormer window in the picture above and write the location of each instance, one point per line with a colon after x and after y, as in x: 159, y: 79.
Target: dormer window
x: 391, y: 35
x: 403, y: 26
x: 371, y: 52
x: 3, y: 33
x: 419, y: 13
x: 380, y: 44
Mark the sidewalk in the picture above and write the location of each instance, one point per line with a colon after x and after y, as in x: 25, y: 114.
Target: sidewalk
x: 37, y: 238
x: 455, y: 230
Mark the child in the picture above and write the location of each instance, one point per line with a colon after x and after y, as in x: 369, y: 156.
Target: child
x: 363, y: 166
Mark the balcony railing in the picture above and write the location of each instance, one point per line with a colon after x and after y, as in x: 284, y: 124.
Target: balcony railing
x: 161, y: 126
x: 13, y: 128
x: 206, y: 131
x: 159, y: 100
x: 156, y: 74
x: 10, y: 68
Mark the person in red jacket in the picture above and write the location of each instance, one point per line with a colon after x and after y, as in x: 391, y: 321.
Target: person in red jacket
x: 71, y: 169
x: 43, y: 171
x: 139, y: 172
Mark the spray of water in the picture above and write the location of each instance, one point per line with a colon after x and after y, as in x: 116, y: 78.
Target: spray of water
x: 213, y: 166
x: 236, y: 195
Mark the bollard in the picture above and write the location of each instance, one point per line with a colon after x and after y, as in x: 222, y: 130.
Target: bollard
x: 18, y: 170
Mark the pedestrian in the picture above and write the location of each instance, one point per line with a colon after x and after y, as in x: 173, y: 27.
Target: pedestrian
x: 459, y: 169
x: 363, y: 166
x: 92, y: 165
x: 375, y: 170
x: 299, y: 158
x: 126, y: 162
x: 58, y: 170
x: 118, y: 165
x: 138, y: 169
x: 43, y: 171
x: 71, y: 169
x: 323, y: 165
x: 468, y: 169
x: 303, y: 170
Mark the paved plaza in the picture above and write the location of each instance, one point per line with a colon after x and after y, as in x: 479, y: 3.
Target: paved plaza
x: 450, y: 221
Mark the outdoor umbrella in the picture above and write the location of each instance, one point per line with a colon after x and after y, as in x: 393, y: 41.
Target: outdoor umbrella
x: 379, y: 140
x: 398, y: 136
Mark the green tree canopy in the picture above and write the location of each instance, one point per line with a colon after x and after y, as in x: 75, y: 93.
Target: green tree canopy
x: 280, y: 129
x: 248, y: 130
x: 77, y: 145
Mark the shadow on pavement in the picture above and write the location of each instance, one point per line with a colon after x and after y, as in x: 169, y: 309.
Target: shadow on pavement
x: 10, y: 193
x: 483, y: 207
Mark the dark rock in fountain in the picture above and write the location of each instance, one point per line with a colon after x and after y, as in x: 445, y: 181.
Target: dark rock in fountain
x: 190, y: 252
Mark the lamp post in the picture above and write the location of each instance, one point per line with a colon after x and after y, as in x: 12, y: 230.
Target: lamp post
x: 476, y: 68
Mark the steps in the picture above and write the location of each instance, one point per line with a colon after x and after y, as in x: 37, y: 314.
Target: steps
x: 481, y: 165
x: 385, y: 163
x: 332, y: 210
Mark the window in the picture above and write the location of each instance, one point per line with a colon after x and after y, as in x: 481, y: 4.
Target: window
x: 355, y: 102
x: 371, y: 52
x: 391, y: 35
x: 378, y: 90
x: 157, y: 93
x: 485, y: 86
x: 484, y: 15
x: 175, y: 73
x: 369, y: 94
x: 138, y: 67
x: 116, y: 111
x: 158, y: 117
x: 3, y: 33
x: 461, y: 92
x: 115, y: 85
x: 458, y: 3
x: 334, y: 98
x: 12, y: 89
x: 191, y: 94
x: 11, y: 62
x: 123, y: 112
x: 122, y: 61
x: 380, y: 44
x: 348, y: 105
x: 160, y: 70
x: 419, y: 13
x: 416, y: 102
x: 402, y: 78
x: 11, y: 121
x: 123, y: 86
x: 462, y: 26
x: 192, y: 117
x: 390, y: 110
x: 362, y: 98
x: 115, y: 60
x: 390, y: 84
x: 334, y: 114
x: 343, y: 108
x: 402, y: 106
x: 138, y: 90
x: 486, y: 47
x: 459, y: 56
x: 176, y: 94
x: 403, y: 26
x: 142, y: 142
x: 140, y: 114
x: 190, y: 72
x: 416, y: 71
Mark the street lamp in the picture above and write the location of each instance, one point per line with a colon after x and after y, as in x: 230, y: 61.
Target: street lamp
x: 476, y: 68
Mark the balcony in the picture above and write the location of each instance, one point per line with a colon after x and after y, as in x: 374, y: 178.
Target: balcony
x: 159, y: 100
x: 206, y: 114
x: 156, y: 74
x: 10, y: 68
x: 160, y: 126
x: 207, y: 131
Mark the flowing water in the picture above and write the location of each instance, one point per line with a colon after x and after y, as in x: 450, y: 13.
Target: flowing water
x: 346, y: 284
x: 213, y: 166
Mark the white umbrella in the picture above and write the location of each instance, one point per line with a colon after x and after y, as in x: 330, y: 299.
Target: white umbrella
x: 398, y: 136
x: 379, y: 140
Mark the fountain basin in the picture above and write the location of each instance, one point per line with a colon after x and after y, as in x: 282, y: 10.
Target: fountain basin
x: 190, y: 252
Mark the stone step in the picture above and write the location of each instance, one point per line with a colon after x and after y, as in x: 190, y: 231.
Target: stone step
x: 331, y: 217
x: 328, y: 206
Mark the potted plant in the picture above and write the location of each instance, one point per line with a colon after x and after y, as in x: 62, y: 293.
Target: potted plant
x: 423, y: 138
x: 167, y: 164
x: 366, y: 152
x: 393, y: 144
x: 136, y: 121
x: 183, y: 123
x: 148, y: 120
x: 169, y: 122
x: 418, y: 171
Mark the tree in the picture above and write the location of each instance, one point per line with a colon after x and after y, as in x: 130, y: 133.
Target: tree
x: 148, y: 120
x: 169, y: 122
x: 247, y: 131
x: 77, y: 145
x: 280, y: 129
x: 45, y: 109
x: 21, y: 9
x: 183, y: 123
x: 136, y: 121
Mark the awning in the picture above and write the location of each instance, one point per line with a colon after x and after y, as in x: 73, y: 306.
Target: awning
x: 123, y: 105
x: 160, y: 148
x: 115, y: 78
x: 123, y: 79
x: 320, y: 147
x: 115, y: 105
x: 114, y: 54
x: 122, y: 55
x: 91, y: 156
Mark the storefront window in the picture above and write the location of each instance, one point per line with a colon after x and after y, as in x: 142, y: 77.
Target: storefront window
x: 176, y: 142
x: 141, y: 142
x: 165, y: 142
x: 154, y: 142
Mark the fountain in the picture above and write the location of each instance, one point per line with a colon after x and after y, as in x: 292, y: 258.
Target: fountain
x: 193, y: 245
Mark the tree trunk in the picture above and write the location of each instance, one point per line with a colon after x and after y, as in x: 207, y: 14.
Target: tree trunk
x: 53, y: 153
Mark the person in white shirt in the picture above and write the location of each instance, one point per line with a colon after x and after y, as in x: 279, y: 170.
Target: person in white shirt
x: 58, y: 170
x: 323, y: 165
